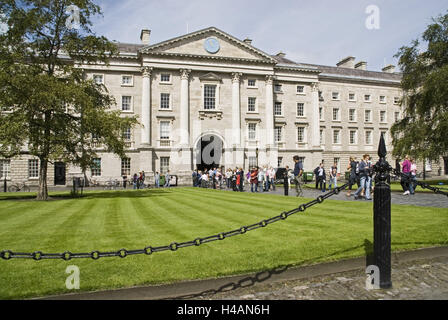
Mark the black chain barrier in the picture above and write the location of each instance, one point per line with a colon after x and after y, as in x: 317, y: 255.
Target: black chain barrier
x: 408, y: 179
x: 123, y: 253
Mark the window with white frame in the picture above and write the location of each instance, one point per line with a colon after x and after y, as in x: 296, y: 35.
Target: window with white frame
x: 126, y: 103
x: 127, y: 134
x: 96, y: 167
x: 367, y: 98
x: 251, y: 104
x: 382, y: 116
x: 209, y: 96
x: 165, y: 101
x: 252, y: 131
x: 351, y: 97
x: 368, y: 136
x: 125, y: 167
x: 300, y: 89
x: 165, y: 78
x: 278, y: 134
x: 336, y: 136
x: 165, y: 130
x: 98, y: 78
x: 164, y: 164
x: 127, y: 80
x: 367, y: 115
x: 252, y: 162
x: 382, y: 99
x: 33, y: 168
x: 277, y: 88
x: 335, y: 95
x: 278, y: 109
x: 251, y: 83
x: 321, y: 113
x: 353, y: 137
x: 300, y: 134
x: 5, y: 168
x: 300, y: 109
x: 336, y: 115
x: 352, y: 115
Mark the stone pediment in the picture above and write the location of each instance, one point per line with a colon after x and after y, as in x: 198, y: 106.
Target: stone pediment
x: 210, y: 77
x: 195, y: 45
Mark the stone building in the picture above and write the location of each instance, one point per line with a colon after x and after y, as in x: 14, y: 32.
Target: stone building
x: 207, y: 99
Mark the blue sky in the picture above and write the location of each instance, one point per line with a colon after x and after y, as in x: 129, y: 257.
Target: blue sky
x: 319, y: 31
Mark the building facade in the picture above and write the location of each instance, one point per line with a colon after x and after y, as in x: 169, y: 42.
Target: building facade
x: 207, y: 99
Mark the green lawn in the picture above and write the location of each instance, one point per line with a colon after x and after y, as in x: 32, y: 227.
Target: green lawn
x: 135, y: 219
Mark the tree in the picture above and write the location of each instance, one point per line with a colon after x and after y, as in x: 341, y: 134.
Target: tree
x: 49, y: 108
x: 423, y: 130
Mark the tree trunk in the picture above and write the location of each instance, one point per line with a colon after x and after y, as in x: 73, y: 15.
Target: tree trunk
x: 42, y: 194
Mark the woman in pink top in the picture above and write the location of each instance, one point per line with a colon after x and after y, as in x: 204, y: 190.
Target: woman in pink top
x: 406, y: 175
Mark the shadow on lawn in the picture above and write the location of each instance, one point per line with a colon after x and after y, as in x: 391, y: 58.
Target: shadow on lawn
x: 91, y: 195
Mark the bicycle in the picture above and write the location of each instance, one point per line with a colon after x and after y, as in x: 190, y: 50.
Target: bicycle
x: 19, y: 187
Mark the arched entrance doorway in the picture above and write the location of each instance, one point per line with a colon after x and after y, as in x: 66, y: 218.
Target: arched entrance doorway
x: 209, y: 150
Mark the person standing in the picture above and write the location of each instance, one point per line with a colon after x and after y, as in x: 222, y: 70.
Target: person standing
x: 322, y: 178
x: 353, y: 175
x: 286, y: 181
x: 369, y: 172
x: 143, y: 178
x: 413, y: 183
x: 333, y: 176
x: 316, y: 174
x: 135, y: 180
x: 241, y: 180
x: 167, y: 179
x: 157, y: 179
x: 272, y: 178
x: 298, y: 172
x: 254, y: 180
x: 406, y: 175
x: 363, y: 173
x: 125, y: 181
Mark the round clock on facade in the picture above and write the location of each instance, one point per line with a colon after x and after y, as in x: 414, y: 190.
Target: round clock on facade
x: 211, y: 45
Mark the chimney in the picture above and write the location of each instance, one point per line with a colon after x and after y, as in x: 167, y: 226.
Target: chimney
x: 389, y: 68
x: 248, y: 41
x: 144, y: 36
x: 361, y: 65
x: 281, y: 54
x: 348, y: 62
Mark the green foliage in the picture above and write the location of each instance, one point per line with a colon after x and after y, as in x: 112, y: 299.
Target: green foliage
x: 423, y: 131
x: 47, y: 104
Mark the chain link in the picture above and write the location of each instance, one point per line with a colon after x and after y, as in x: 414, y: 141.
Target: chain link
x: 123, y: 253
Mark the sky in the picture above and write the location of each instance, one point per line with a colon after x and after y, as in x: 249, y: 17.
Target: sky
x: 318, y: 32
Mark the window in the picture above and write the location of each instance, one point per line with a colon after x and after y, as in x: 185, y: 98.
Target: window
x: 336, y: 114
x: 353, y: 137
x: 321, y: 113
x: 251, y: 104
x: 321, y: 133
x: 351, y: 97
x: 126, y: 103
x: 98, y: 78
x: 382, y: 99
x: 96, y: 167
x: 252, y: 162
x: 5, y: 169
x: 300, y: 134
x: 336, y: 136
x: 279, y: 162
x: 164, y: 164
x: 367, y: 98
x: 125, y: 167
x: 252, y: 83
x: 368, y: 116
x: 352, y: 115
x: 127, y: 135
x: 165, y: 101
x: 278, y: 134
x: 397, y: 116
x: 252, y: 131
x: 278, y: 88
x: 368, y: 137
x: 300, y: 109
x: 300, y: 89
x: 382, y: 116
x: 335, y: 95
x: 278, y: 109
x: 209, y: 97
x: 396, y: 100
x: 127, y: 80
x: 165, y: 78
x: 33, y: 168
x: 164, y: 130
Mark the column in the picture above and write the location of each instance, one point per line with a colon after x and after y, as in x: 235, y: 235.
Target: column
x: 315, y: 125
x: 236, y: 110
x: 269, y: 111
x: 184, y: 107
x: 146, y: 105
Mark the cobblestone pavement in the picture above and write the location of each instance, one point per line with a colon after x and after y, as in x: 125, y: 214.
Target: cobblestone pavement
x: 415, y: 280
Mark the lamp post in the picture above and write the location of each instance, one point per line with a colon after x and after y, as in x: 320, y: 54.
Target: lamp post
x: 382, y: 218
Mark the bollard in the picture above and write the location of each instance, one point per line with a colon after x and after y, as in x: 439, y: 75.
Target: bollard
x: 382, y: 218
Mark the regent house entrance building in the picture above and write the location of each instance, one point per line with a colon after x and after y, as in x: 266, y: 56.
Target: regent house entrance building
x: 207, y: 99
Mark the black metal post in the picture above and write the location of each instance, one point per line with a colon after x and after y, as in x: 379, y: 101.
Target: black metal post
x: 382, y: 218
x: 4, y: 185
